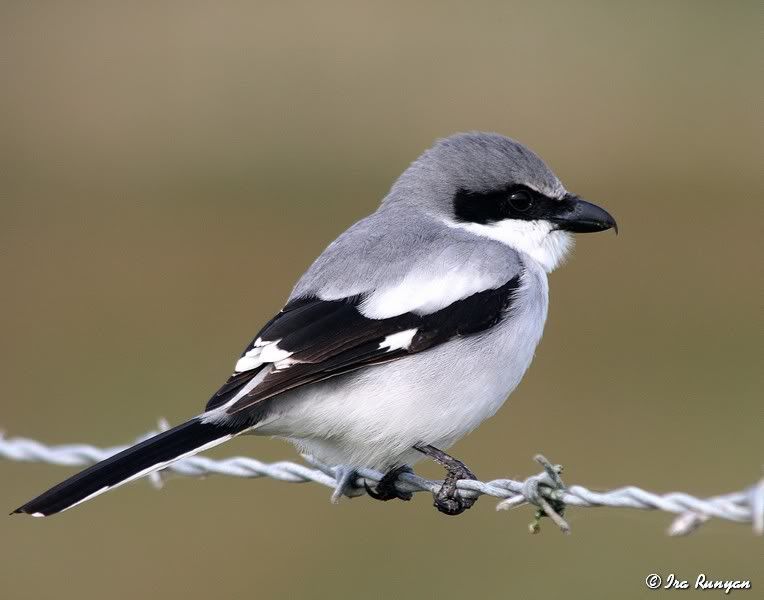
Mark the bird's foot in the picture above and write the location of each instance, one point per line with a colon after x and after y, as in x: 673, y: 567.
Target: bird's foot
x: 449, y: 500
x: 346, y: 483
x: 386, y: 488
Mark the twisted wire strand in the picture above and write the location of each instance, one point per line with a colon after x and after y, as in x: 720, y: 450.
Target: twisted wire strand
x: 546, y: 490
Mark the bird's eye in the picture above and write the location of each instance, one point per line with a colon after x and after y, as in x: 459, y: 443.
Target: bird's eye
x: 521, y: 200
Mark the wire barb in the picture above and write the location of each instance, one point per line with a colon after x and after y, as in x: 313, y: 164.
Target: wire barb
x: 546, y: 490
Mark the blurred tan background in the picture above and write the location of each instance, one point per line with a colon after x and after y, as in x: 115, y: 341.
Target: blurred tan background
x: 169, y: 169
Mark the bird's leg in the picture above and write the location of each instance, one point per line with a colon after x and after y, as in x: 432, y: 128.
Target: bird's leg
x: 386, y: 488
x: 448, y: 500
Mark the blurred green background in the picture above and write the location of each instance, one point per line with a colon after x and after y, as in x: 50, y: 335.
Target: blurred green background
x: 169, y: 169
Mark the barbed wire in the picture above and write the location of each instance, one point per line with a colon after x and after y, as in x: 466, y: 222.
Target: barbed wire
x: 545, y: 490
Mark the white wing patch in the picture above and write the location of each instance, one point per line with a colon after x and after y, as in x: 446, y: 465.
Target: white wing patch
x: 422, y: 293
x: 263, y: 352
x: 272, y: 353
x: 247, y: 363
x: 284, y: 363
x: 398, y: 341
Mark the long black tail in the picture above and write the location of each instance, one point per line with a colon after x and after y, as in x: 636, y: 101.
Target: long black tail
x: 150, y: 455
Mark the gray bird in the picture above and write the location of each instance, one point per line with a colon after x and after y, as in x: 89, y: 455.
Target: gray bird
x: 405, y: 334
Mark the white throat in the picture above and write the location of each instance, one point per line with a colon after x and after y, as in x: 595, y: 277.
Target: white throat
x: 538, y: 239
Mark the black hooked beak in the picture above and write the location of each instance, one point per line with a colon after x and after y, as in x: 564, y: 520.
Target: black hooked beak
x: 580, y: 216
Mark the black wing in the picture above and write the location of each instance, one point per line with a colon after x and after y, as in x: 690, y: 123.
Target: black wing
x: 325, y: 338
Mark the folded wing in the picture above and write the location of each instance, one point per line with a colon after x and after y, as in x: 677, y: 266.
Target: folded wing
x: 312, y: 339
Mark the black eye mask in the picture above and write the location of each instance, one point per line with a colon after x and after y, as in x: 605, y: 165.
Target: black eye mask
x: 513, y: 202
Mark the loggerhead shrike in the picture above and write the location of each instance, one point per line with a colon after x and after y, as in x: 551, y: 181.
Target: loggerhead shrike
x: 406, y: 333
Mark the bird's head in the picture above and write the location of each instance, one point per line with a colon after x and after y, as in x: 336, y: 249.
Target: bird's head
x: 495, y: 187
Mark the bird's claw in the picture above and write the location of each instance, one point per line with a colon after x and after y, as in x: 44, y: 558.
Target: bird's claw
x: 448, y: 499
x: 386, y: 488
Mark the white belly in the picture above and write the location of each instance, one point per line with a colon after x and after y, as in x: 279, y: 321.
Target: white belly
x: 373, y: 417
